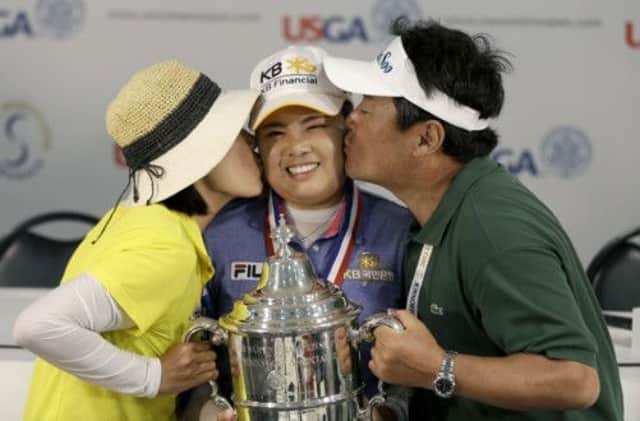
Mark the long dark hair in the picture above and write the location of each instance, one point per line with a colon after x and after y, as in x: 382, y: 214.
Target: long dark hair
x: 187, y: 201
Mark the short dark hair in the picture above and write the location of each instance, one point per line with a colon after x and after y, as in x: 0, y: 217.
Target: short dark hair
x: 346, y: 109
x: 466, y: 69
x: 187, y: 201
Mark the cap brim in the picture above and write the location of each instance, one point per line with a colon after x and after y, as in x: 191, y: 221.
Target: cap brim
x: 325, y: 104
x: 200, y: 151
x: 356, y: 76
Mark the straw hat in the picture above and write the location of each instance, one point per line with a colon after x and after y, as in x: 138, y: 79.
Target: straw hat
x: 174, y: 125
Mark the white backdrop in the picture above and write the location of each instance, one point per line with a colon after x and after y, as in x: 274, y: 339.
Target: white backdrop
x: 567, y: 129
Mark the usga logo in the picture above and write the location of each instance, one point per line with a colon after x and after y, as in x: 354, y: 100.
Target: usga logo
x: 564, y: 152
x: 57, y: 19
x: 343, y: 29
x: 14, y: 23
x: 632, y: 35
x: 317, y: 28
x: 24, y: 139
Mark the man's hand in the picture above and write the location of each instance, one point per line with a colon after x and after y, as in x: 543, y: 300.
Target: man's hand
x: 187, y: 365
x: 411, y: 357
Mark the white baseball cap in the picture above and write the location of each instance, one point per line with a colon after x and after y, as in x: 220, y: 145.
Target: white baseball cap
x: 294, y: 76
x: 392, y: 74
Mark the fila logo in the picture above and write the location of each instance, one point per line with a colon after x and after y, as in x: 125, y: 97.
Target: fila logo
x: 242, y: 271
x: 271, y: 72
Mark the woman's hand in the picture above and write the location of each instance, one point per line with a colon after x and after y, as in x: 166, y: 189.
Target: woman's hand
x: 187, y: 365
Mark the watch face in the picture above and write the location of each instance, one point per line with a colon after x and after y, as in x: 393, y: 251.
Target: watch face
x: 444, y: 386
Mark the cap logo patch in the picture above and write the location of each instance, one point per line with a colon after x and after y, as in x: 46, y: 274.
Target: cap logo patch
x: 383, y: 62
x: 302, y: 65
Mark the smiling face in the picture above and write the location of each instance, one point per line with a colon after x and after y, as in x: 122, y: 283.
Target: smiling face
x: 301, y: 150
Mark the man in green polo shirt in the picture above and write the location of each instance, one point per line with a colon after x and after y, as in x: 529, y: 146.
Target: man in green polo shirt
x: 501, y: 322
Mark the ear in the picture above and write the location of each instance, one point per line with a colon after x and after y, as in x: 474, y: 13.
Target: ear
x: 429, y: 136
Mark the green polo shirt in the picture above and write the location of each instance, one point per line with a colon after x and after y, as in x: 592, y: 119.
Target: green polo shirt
x: 504, y: 278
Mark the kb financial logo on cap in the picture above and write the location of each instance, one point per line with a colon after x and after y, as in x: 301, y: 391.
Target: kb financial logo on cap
x: 57, y: 19
x: 297, y: 70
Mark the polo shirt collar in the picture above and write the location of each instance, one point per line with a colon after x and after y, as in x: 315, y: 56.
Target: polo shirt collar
x: 255, y: 214
x: 433, y: 231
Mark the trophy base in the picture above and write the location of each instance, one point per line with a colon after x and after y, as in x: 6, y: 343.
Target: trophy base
x: 338, y: 411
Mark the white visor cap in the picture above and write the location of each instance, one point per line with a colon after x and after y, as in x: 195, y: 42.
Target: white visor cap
x: 392, y: 74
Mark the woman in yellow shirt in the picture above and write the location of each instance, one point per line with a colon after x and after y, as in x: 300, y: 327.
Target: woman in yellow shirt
x: 109, y: 336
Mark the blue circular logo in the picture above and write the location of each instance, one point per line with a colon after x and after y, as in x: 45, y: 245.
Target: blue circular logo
x: 60, y: 18
x: 24, y: 138
x: 386, y: 11
x: 566, y: 151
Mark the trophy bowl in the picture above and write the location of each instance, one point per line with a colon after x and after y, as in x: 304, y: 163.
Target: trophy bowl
x: 293, y: 344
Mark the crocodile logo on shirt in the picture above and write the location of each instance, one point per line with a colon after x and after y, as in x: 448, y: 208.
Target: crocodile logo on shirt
x: 436, y: 309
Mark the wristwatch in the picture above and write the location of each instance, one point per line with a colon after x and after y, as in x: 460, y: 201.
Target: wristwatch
x: 445, y: 383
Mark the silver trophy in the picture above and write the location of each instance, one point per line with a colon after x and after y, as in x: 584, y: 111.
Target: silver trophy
x: 293, y: 344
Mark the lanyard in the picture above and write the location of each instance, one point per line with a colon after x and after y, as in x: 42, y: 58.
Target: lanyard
x: 341, y: 248
x: 418, y: 278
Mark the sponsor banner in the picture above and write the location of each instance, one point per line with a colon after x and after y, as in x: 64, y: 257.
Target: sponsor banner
x: 56, y: 19
x: 567, y: 129
x: 564, y: 152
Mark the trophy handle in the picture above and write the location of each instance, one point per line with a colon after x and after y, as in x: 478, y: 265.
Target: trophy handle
x: 365, y: 334
x: 366, y: 413
x: 219, y: 336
